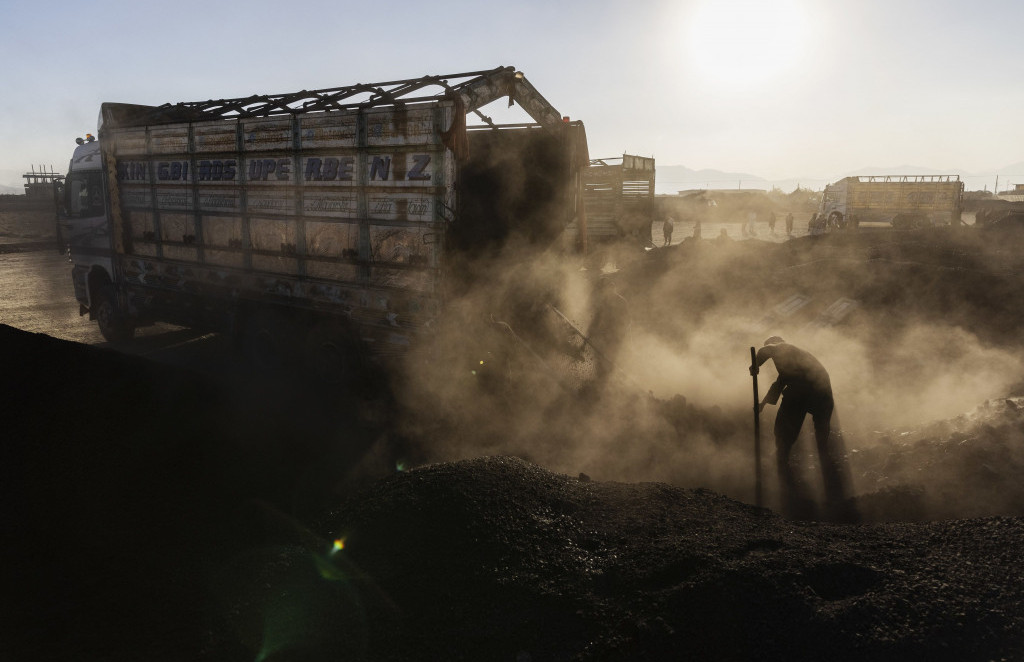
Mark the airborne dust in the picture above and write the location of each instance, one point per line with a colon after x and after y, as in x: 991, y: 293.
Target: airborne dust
x: 923, y: 362
x: 923, y: 337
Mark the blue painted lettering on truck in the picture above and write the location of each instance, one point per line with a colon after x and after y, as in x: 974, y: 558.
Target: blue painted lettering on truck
x: 217, y: 171
x: 213, y: 170
x: 262, y: 169
x: 420, y: 163
x: 172, y: 171
x: 329, y: 169
x: 132, y: 171
x: 380, y: 167
x: 315, y: 169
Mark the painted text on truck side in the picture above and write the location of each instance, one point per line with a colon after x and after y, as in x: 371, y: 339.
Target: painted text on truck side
x: 314, y: 168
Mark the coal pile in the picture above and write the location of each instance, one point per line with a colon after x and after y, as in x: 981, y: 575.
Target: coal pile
x: 495, y: 558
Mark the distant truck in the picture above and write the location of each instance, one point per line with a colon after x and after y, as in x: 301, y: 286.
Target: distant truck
x: 619, y: 198
x: 327, y: 220
x: 902, y: 201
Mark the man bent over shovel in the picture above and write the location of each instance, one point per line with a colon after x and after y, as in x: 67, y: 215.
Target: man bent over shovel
x: 805, y: 388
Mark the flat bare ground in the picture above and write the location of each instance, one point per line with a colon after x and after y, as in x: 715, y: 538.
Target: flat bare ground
x: 22, y: 224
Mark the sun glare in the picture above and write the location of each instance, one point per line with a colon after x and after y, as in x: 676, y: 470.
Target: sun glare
x: 746, y: 41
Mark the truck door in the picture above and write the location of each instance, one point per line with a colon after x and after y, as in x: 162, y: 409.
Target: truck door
x: 83, y: 216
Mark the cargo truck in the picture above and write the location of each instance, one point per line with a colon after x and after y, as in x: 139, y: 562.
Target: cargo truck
x: 330, y: 220
x: 900, y: 201
x: 619, y: 197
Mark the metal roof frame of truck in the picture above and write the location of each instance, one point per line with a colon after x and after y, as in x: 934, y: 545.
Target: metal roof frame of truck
x: 474, y: 89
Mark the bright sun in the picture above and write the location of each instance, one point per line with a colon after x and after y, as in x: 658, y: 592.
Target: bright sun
x: 746, y: 41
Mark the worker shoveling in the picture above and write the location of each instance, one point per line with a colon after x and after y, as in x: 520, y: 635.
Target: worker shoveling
x: 805, y: 388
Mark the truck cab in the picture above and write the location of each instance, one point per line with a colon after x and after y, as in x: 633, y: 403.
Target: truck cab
x: 84, y: 229
x: 81, y: 212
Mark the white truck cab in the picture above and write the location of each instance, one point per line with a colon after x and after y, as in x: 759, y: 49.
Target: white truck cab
x: 85, y: 232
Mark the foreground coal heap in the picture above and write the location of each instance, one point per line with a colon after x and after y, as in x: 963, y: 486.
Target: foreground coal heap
x: 496, y: 558
x: 152, y: 513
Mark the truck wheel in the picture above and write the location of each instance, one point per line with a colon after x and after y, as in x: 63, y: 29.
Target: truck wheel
x: 112, y: 323
x: 265, y: 341
x: 909, y: 222
x: 332, y: 356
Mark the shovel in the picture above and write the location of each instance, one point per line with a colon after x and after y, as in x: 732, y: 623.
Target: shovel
x: 757, y: 428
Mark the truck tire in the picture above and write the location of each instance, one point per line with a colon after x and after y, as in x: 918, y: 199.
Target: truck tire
x: 265, y: 340
x: 109, y: 317
x: 910, y: 221
x: 332, y: 356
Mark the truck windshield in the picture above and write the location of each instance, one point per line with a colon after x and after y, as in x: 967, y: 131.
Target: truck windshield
x: 83, y: 194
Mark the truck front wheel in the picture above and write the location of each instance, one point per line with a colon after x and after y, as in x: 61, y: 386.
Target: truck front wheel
x: 332, y: 356
x: 112, y: 323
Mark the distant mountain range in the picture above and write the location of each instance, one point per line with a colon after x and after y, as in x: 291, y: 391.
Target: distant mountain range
x: 674, y: 178
x: 10, y: 182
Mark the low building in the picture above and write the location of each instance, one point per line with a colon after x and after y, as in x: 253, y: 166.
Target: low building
x: 39, y: 185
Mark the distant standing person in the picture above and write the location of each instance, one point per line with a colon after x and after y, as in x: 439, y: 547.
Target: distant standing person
x: 805, y: 388
x: 696, y: 229
x: 751, y: 220
x: 789, y: 223
x: 666, y: 229
x: 771, y: 222
x: 609, y: 329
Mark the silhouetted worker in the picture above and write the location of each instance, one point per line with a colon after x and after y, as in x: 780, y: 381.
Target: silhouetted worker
x: 666, y: 229
x: 771, y: 222
x: 816, y: 225
x: 789, y: 223
x: 609, y: 327
x: 805, y: 388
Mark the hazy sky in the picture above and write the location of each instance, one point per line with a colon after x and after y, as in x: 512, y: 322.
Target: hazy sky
x: 776, y: 88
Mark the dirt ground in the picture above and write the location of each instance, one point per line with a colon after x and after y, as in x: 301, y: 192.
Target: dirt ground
x: 160, y: 513
x: 21, y: 223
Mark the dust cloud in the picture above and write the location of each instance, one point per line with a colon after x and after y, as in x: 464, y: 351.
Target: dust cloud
x: 504, y: 374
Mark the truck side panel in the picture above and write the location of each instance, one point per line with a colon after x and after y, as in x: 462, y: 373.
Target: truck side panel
x: 882, y: 199
x: 341, y: 211
x: 619, y: 197
x: 906, y: 197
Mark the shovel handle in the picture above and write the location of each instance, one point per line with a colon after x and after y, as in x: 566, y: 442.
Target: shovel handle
x: 757, y: 428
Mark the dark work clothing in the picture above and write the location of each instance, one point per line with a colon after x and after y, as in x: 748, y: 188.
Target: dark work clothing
x: 796, y: 368
x: 806, y: 389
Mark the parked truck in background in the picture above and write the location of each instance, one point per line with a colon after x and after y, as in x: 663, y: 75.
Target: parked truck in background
x: 325, y: 219
x: 902, y: 201
x: 619, y: 197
